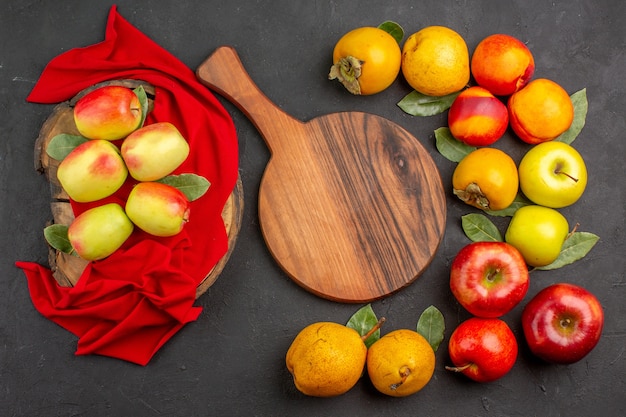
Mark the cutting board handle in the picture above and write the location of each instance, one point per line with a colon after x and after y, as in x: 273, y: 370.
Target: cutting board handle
x: 224, y: 73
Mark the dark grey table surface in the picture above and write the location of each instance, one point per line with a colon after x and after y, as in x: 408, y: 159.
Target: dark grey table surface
x: 231, y: 360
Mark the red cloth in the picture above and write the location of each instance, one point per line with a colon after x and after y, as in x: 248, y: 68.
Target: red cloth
x: 129, y: 304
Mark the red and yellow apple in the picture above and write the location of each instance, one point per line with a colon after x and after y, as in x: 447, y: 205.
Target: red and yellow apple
x: 92, y: 171
x: 477, y: 118
x: 483, y: 349
x: 98, y: 232
x: 538, y: 233
x: 562, y: 323
x: 502, y: 64
x: 110, y: 113
x: 154, y: 151
x: 553, y: 174
x: 489, y: 278
x: 157, y: 208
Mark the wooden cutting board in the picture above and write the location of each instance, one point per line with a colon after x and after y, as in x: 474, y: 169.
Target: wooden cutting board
x: 351, y: 205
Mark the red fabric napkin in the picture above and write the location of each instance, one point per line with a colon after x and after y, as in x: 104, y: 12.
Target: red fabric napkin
x: 129, y: 304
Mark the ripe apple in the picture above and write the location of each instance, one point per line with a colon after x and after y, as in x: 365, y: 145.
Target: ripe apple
x: 483, y: 349
x: 158, y: 209
x: 109, y: 113
x: 98, y: 232
x: 92, y: 171
x: 489, y: 278
x: 154, y: 151
x: 562, y: 323
x: 477, y: 118
x: 538, y: 233
x: 553, y: 174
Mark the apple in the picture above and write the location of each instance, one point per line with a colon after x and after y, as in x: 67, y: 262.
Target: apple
x: 489, y: 278
x: 98, y: 232
x: 538, y: 233
x: 477, y: 118
x: 553, y: 174
x: 483, y: 349
x: 154, y: 151
x: 562, y: 323
x: 110, y: 113
x: 91, y: 171
x: 157, y: 208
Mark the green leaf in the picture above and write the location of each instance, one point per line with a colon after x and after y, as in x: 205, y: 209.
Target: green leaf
x: 192, y: 185
x: 520, y: 201
x: 478, y: 228
x: 56, y: 236
x: 393, y: 29
x: 362, y: 321
x: 62, y: 144
x: 574, y: 248
x: 579, y: 100
x: 432, y: 326
x: 418, y: 104
x: 140, y: 92
x: 451, y: 148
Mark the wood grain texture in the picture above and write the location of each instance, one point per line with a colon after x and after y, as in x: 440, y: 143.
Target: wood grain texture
x: 66, y: 268
x: 351, y: 205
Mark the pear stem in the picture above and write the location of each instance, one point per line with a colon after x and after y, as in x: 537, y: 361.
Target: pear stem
x: 373, y: 329
x: 573, y: 231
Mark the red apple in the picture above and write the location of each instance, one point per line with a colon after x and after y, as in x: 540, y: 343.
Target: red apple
x: 489, y: 278
x: 482, y: 349
x: 477, y: 117
x: 154, y: 151
x: 92, y: 171
x: 110, y: 112
x: 158, y: 209
x: 562, y: 323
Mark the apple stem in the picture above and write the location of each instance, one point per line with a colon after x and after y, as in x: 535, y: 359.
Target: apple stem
x: 558, y: 171
x: 458, y: 368
x: 373, y: 329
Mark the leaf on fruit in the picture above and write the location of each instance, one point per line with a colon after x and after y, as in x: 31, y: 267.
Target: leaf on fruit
x: 140, y: 92
x: 478, y: 228
x: 363, y: 321
x: 451, y: 148
x: 520, y: 201
x: 418, y: 104
x: 61, y: 145
x: 56, y: 236
x: 579, y: 100
x: 192, y: 185
x: 575, y: 247
x: 394, y: 29
x: 432, y: 326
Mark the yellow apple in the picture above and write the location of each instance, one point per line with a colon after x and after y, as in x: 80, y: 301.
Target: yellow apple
x: 92, y: 171
x: 154, y: 151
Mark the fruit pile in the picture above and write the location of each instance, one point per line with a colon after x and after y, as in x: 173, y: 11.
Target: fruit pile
x: 114, y: 144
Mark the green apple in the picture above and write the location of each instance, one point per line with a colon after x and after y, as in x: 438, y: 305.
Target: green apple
x: 553, y: 174
x: 92, y: 171
x: 538, y: 234
x: 158, y: 209
x: 98, y: 232
x: 110, y: 113
x: 154, y: 151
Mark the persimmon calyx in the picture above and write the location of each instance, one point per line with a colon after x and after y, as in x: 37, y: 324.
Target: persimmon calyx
x: 473, y: 196
x: 347, y: 71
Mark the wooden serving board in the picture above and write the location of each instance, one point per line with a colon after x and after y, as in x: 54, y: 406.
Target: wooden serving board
x: 67, y: 268
x: 351, y: 205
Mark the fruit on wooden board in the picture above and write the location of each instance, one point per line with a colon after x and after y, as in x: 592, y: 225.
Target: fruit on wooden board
x: 110, y: 112
x: 154, y: 151
x: 92, y: 171
x: 98, y: 232
x: 158, y: 209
